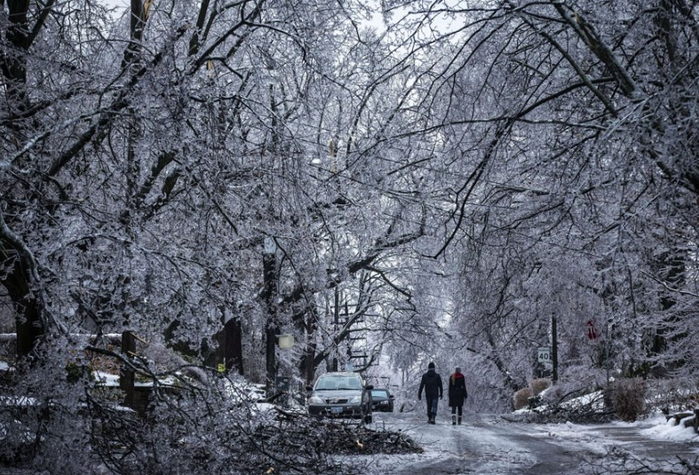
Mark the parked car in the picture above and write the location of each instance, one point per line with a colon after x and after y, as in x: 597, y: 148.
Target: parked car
x: 341, y: 394
x: 382, y: 400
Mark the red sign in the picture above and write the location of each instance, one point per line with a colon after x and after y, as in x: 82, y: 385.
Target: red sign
x: 591, y: 331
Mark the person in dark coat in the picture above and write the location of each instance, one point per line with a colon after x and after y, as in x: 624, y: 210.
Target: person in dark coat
x: 432, y: 384
x: 457, y: 394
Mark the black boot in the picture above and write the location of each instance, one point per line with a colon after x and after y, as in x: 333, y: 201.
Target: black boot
x: 453, y: 420
x: 459, y: 420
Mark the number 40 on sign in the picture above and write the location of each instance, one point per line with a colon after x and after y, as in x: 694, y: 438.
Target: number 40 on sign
x: 544, y: 353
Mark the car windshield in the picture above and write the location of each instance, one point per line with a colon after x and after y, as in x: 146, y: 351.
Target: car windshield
x: 379, y: 393
x: 338, y: 382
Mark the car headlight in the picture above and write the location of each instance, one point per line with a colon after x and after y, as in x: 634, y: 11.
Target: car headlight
x: 383, y: 403
x: 315, y: 400
x: 355, y: 399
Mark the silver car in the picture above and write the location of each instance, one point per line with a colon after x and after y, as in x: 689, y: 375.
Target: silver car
x: 341, y: 394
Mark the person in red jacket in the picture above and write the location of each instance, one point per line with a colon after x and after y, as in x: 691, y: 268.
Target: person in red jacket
x: 457, y: 394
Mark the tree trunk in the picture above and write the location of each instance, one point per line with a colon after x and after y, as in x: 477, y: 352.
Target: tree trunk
x: 230, y: 344
x: 29, y: 326
x: 13, y: 65
x: 126, y: 374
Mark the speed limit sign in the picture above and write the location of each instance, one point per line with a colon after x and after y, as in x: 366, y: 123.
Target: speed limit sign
x: 544, y: 354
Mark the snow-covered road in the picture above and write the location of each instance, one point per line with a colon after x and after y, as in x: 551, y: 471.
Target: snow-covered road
x: 489, y: 445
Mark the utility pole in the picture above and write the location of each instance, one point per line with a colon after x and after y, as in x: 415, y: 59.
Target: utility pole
x: 554, y: 349
x: 606, y: 350
x: 269, y: 266
x: 336, y: 317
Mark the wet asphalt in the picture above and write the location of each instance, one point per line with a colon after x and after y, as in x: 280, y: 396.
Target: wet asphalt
x: 490, y: 445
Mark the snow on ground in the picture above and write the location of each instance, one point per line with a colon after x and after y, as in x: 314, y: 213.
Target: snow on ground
x: 658, y: 429
x: 599, y: 437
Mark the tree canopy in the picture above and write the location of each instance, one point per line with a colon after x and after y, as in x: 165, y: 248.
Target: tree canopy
x: 396, y: 182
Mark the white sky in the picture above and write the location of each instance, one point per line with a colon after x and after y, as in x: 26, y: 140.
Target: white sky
x: 115, y: 3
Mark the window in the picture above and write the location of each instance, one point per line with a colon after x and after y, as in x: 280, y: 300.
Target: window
x: 339, y: 382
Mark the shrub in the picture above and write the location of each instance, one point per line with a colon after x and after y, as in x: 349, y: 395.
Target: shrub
x: 628, y: 398
x: 521, y: 398
x: 539, y: 385
x: 673, y: 395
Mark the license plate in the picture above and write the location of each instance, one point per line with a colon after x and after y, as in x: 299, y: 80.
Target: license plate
x: 336, y: 410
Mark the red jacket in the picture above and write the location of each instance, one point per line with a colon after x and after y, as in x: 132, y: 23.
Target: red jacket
x: 457, y: 390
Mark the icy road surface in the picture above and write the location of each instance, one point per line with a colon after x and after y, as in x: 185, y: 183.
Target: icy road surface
x: 489, y: 445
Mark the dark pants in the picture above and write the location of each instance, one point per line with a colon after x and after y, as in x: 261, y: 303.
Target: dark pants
x: 432, y: 403
x: 454, y: 408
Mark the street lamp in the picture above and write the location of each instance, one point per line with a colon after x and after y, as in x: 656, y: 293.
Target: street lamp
x: 286, y: 341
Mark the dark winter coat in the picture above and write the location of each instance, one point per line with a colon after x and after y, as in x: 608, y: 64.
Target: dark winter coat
x: 457, y: 390
x: 432, y: 384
